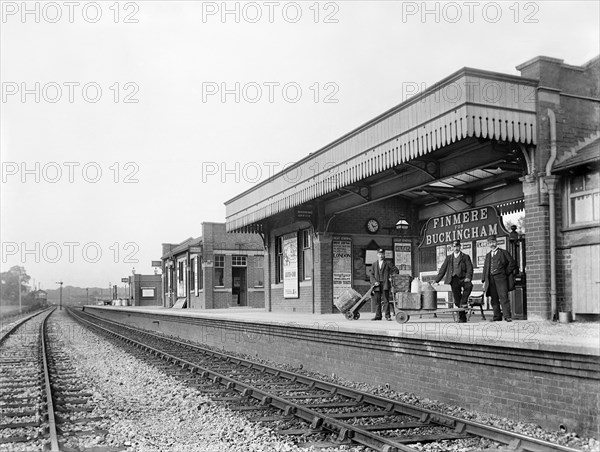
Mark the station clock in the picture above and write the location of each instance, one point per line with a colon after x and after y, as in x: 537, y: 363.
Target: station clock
x: 372, y: 225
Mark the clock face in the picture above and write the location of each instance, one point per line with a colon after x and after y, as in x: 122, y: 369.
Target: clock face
x: 372, y: 225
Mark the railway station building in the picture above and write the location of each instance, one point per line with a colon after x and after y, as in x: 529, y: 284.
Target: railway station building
x: 215, y: 270
x: 457, y: 161
x: 144, y: 290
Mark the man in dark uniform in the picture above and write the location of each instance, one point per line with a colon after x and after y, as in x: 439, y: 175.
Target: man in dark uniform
x: 458, y: 271
x: 381, y: 270
x: 498, y: 265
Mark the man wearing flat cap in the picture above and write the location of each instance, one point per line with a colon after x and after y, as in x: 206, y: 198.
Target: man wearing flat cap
x: 457, y: 270
x: 499, y: 264
x: 381, y: 271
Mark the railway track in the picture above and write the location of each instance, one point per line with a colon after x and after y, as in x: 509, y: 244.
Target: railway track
x: 42, y: 403
x: 294, y: 404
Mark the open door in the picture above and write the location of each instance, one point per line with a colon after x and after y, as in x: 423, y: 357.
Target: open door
x: 239, y: 289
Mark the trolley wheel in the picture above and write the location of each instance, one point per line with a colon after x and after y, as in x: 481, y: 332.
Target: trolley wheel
x: 349, y: 315
x: 402, y: 317
x: 356, y: 316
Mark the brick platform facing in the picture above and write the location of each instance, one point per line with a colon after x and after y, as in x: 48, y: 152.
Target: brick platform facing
x: 546, y: 387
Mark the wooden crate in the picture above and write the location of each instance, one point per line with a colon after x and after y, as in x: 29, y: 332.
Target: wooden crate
x: 408, y: 300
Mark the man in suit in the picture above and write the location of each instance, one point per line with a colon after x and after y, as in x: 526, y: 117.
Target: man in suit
x: 381, y: 270
x: 457, y: 270
x: 498, y: 265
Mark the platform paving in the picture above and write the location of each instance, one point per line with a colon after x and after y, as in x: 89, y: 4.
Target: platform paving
x: 576, y: 337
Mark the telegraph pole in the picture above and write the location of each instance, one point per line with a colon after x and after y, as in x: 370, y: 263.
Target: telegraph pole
x: 20, y: 306
x: 61, y: 284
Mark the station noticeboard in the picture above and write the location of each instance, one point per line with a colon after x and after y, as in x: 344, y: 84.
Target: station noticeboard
x: 403, y: 257
x: 290, y: 266
x: 342, y: 265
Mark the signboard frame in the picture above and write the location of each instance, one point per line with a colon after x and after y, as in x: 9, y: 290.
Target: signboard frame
x: 342, y: 265
x: 290, y: 266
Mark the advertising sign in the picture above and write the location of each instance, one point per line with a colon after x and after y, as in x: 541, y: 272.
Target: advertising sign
x: 403, y: 257
x: 342, y: 265
x: 290, y: 266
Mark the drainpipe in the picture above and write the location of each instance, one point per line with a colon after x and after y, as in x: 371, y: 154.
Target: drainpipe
x: 551, y: 184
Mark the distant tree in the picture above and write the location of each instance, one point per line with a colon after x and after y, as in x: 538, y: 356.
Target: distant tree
x: 519, y: 222
x: 9, y: 284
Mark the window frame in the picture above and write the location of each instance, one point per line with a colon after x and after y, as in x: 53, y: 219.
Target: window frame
x: 278, y: 261
x: 305, y: 245
x: 221, y: 267
x: 259, y: 268
x: 571, y: 196
x: 239, y: 260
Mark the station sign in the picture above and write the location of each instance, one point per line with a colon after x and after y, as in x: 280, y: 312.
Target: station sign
x: 156, y: 263
x: 304, y: 213
x: 468, y: 225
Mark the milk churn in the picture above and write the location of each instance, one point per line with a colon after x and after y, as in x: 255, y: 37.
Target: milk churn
x: 415, y: 286
x: 429, y: 296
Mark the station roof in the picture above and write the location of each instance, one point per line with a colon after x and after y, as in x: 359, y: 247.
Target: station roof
x: 584, y: 153
x: 469, y: 104
x: 186, y: 245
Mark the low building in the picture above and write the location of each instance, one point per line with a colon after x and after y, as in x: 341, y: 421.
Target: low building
x: 215, y: 270
x: 145, y: 290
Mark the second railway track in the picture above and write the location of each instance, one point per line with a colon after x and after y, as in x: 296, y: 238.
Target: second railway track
x: 318, y: 411
x: 43, y: 402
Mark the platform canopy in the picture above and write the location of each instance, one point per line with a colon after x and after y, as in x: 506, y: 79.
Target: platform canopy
x: 468, y: 104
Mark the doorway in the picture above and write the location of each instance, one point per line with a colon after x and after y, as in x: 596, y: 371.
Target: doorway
x: 239, y: 288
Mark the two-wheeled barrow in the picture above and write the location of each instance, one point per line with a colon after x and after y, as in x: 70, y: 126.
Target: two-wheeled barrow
x: 350, y: 301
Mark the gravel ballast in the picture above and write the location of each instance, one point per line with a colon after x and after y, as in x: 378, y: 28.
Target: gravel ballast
x: 148, y: 410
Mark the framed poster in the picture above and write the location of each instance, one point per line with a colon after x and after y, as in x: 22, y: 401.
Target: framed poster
x: 467, y: 248
x: 482, y: 250
x: 502, y: 242
x: 342, y: 265
x: 403, y: 257
x: 290, y: 266
x: 370, y: 256
x: 440, y: 255
x: 148, y: 292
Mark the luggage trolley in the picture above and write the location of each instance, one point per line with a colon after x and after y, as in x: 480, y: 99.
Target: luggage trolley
x: 422, y: 303
x: 350, y: 302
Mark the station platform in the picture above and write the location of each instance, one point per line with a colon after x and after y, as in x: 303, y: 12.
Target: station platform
x: 575, y: 337
x: 540, y: 372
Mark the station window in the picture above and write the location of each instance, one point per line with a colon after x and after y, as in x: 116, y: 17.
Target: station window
x: 219, y: 269
x: 193, y: 274
x: 584, y: 198
x: 238, y: 261
x: 259, y: 271
x: 278, y: 259
x: 306, y: 264
x: 199, y: 277
x: 180, y: 271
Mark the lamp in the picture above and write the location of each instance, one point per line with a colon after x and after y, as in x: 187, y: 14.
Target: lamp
x: 402, y: 224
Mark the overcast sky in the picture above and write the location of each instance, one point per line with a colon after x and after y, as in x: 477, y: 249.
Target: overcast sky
x: 117, y: 134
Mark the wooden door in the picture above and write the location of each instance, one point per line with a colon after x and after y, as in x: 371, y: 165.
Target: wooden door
x: 586, y: 279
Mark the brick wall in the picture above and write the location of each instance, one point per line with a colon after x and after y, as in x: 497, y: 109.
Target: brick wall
x: 525, y: 381
x: 351, y: 224
x: 567, y: 91
x: 216, y: 241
